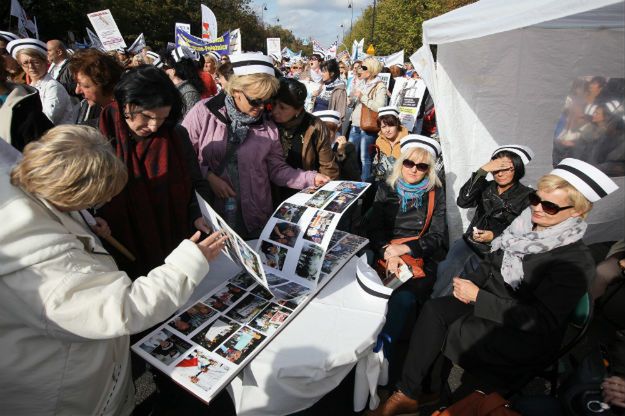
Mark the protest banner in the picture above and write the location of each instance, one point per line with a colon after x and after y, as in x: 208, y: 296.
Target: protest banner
x: 396, y: 58
x: 273, y: 46
x: 220, y: 45
x: 106, y: 29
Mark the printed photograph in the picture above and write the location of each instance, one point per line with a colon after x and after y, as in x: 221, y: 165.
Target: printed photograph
x: 247, y: 308
x: 336, y: 237
x: 197, y: 368
x: 240, y: 345
x: 318, y: 226
x: 290, y: 212
x: 591, y: 127
x: 309, y: 262
x: 272, y: 255
x: 270, y: 319
x: 225, y: 297
x: 291, y: 291
x: 261, y: 292
x: 192, y: 318
x: 290, y: 304
x: 320, y: 198
x: 329, y: 262
x: 340, y: 202
x: 212, y: 335
x: 165, y: 346
x: 274, y: 280
x: 284, y: 233
x: 310, y: 190
x: 244, y: 280
x: 250, y: 260
x: 351, y: 187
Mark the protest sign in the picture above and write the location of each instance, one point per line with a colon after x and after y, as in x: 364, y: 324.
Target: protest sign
x: 185, y: 27
x: 106, y: 29
x: 394, y: 59
x: 95, y: 40
x: 220, y: 45
x: 235, y: 41
x: 138, y: 45
x: 407, y: 96
x: 273, y: 46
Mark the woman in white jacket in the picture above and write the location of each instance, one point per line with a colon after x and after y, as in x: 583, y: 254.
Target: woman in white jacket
x: 66, y: 312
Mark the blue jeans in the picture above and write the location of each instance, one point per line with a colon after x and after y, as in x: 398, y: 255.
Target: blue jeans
x: 460, y: 257
x: 363, y: 142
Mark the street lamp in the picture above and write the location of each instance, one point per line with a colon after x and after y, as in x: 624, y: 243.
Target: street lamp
x: 351, y: 6
x: 343, y: 30
x: 262, y: 14
x: 373, y: 25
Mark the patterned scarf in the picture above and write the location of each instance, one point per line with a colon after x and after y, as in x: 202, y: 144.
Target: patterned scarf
x: 411, y: 195
x: 239, y: 122
x: 518, y: 240
x: 328, y: 89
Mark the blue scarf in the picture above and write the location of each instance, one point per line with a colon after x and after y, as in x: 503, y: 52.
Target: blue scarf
x: 411, y: 195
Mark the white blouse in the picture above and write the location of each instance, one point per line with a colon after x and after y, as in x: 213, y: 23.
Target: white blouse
x: 56, y: 102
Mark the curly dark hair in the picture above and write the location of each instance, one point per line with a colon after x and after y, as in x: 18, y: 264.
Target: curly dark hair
x: 104, y: 70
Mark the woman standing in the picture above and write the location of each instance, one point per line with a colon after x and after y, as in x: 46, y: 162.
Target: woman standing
x: 333, y: 95
x: 182, y: 70
x: 373, y: 96
x: 497, y: 203
x: 96, y: 75
x: 32, y: 55
x: 209, y: 64
x: 239, y: 149
x: 158, y: 207
x: 506, y: 320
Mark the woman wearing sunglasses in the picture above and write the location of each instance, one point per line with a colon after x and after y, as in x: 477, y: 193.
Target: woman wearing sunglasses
x: 497, y: 203
x: 238, y: 146
x: 507, y: 319
x: 400, y: 210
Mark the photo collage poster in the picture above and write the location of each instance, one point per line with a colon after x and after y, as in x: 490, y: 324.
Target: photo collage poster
x: 204, y: 347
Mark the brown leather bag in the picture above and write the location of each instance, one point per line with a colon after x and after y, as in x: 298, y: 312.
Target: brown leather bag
x: 415, y: 264
x: 368, y: 117
x: 479, y: 404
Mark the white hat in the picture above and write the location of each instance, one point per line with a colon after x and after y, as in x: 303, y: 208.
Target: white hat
x: 251, y: 63
x: 330, y: 116
x: 8, y: 36
x: 525, y: 153
x: 17, y: 45
x: 586, y: 178
x: 613, y: 106
x: 384, y: 111
x: 184, y: 52
x: 70, y: 51
x: 424, y: 142
x: 156, y: 59
x: 214, y: 55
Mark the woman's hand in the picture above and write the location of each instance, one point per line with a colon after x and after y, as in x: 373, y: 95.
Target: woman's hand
x: 614, y: 391
x: 482, y: 236
x: 321, y: 179
x: 201, y: 225
x: 211, y: 245
x: 393, y: 264
x: 101, y: 228
x: 497, y: 164
x: 465, y: 290
x: 357, y: 94
x: 341, y: 140
x: 395, y: 250
x: 220, y: 187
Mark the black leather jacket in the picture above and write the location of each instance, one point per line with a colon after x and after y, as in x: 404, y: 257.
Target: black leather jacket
x: 388, y: 222
x: 493, y: 212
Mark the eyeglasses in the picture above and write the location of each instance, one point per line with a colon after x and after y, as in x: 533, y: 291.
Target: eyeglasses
x: 256, y: 102
x: 363, y: 68
x: 148, y: 118
x: 34, y: 63
x: 510, y: 169
x: 548, y: 207
x: 421, y: 167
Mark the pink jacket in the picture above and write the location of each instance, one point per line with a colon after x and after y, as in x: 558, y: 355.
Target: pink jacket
x: 260, y: 159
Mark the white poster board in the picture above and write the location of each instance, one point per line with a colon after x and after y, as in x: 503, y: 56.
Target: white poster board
x: 106, y: 29
x: 273, y: 46
x: 407, y: 96
x: 235, y: 41
x: 185, y: 27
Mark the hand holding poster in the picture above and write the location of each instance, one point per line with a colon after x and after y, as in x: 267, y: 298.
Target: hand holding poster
x: 106, y: 29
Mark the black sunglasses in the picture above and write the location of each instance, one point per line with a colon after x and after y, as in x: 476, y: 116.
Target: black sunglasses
x: 421, y: 167
x: 364, y: 68
x: 548, y: 207
x: 256, y: 102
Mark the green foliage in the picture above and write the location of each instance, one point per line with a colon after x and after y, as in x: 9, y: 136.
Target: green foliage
x: 398, y: 24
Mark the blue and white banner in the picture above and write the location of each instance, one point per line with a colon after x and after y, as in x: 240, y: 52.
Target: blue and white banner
x: 220, y: 45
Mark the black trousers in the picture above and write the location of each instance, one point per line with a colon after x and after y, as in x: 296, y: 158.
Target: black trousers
x: 427, y: 340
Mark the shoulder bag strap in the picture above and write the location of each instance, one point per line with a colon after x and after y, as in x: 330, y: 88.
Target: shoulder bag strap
x: 428, y: 220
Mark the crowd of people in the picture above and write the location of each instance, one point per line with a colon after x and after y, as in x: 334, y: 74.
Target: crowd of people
x: 130, y: 140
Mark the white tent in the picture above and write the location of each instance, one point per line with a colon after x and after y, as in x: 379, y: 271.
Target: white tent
x: 503, y: 71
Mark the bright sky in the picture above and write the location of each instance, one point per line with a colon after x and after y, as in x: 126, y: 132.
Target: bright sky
x: 319, y: 19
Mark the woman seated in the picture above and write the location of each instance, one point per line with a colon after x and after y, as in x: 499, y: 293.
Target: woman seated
x: 66, y: 312
x: 508, y: 318
x: 182, y: 68
x: 158, y: 208
x: 238, y: 147
x: 497, y: 202
x: 400, y: 210
x: 387, y: 149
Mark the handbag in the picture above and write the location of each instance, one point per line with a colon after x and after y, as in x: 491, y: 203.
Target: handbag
x: 415, y: 264
x: 368, y: 117
x: 479, y: 404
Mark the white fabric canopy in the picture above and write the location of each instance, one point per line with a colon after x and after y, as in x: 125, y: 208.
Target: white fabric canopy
x: 502, y: 73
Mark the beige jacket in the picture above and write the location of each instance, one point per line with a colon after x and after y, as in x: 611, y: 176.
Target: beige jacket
x: 373, y: 100
x: 66, y: 312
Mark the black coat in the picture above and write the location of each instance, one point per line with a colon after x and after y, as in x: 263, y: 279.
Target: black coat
x: 387, y: 222
x: 511, y: 332
x: 493, y: 212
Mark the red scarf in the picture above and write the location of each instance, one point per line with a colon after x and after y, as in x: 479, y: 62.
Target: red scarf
x: 150, y: 216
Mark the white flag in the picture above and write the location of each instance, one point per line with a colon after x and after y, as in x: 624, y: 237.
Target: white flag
x: 138, y: 45
x: 23, y: 22
x: 394, y: 59
x: 209, y: 23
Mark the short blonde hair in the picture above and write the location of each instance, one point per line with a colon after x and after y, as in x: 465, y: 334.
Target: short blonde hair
x: 31, y: 53
x: 422, y: 156
x: 72, y: 167
x: 550, y: 183
x: 373, y: 66
x: 262, y: 86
